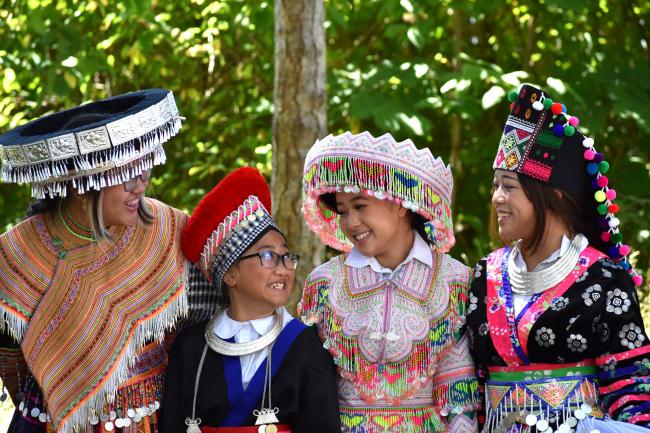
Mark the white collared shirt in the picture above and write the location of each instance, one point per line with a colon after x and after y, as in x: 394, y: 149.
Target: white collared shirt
x: 419, y: 251
x: 225, y: 328
x: 520, y: 301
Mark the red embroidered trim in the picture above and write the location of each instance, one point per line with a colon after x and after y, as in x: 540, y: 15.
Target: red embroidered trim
x: 623, y: 355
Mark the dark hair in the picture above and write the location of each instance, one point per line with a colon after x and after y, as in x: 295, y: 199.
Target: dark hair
x: 417, y: 221
x: 576, y: 213
x: 42, y: 205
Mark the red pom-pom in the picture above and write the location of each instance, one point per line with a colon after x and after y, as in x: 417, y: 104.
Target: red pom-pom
x: 605, y: 236
x: 556, y: 108
x: 610, y: 194
x: 638, y: 280
x: 613, y: 208
x: 216, y: 205
x: 624, y: 250
x: 602, y: 181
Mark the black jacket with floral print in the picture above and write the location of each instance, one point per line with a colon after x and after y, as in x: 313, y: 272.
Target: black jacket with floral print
x: 598, y: 318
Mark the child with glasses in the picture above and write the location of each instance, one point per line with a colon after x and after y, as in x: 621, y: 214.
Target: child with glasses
x: 391, y: 309
x: 252, y: 367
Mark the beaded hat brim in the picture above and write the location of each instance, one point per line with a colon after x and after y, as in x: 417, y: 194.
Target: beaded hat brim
x: 381, y: 168
x: 126, y: 140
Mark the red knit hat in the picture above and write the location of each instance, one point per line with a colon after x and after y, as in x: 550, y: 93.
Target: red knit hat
x: 240, y: 203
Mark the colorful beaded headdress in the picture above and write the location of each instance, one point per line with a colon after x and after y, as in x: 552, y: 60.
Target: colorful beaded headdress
x: 540, y: 140
x: 92, y: 146
x: 382, y: 168
x: 227, y: 221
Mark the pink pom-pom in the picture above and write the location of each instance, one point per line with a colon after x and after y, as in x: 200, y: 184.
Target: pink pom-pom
x: 602, y: 181
x: 610, y: 194
x: 624, y: 250
x: 638, y: 280
x: 589, y: 154
x: 605, y: 236
x: 574, y: 121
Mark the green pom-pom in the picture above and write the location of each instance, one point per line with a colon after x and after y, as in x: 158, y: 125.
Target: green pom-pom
x: 603, y: 167
x: 616, y: 238
x: 569, y: 130
x: 602, y: 209
x: 547, y: 103
x: 513, y: 95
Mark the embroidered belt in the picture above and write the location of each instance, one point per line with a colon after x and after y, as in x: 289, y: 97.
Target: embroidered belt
x: 540, y: 396
x: 281, y: 428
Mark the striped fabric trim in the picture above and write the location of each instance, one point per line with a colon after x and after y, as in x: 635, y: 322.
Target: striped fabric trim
x: 102, y: 304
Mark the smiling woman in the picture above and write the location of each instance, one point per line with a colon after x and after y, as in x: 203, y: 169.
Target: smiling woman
x: 559, y: 298
x: 93, y: 254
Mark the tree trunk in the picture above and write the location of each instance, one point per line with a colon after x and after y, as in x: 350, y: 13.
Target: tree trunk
x: 299, y: 119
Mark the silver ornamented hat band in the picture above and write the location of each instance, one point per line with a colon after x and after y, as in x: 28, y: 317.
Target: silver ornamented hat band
x: 93, y: 158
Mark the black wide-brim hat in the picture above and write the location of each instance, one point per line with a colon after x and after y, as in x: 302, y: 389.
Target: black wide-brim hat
x: 92, y: 146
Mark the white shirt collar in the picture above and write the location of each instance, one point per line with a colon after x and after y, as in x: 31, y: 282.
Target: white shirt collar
x: 419, y: 251
x: 226, y: 327
x: 521, y: 264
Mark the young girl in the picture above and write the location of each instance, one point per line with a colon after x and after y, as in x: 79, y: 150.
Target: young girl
x: 554, y: 320
x: 391, y: 309
x: 252, y: 368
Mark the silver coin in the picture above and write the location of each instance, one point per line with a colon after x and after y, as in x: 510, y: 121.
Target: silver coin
x: 119, y: 423
x: 3, y: 396
x: 130, y: 413
x: 137, y: 418
x: 156, y: 404
x: 103, y: 417
x: 548, y: 430
x: 542, y: 425
x: 564, y: 428
x: 261, y: 429
x: 595, y: 431
x: 571, y: 422
x: 21, y: 406
x: 531, y: 419
x: 25, y: 411
x: 42, y: 417
x: 127, y: 421
x: 112, y: 415
x: 93, y: 420
x: 109, y: 426
x: 579, y: 414
x: 586, y: 408
x: 35, y: 412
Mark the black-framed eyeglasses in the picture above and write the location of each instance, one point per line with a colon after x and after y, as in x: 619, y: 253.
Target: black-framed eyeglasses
x: 130, y: 184
x: 271, y: 259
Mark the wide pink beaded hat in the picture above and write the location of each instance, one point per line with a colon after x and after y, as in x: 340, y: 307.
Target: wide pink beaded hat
x: 383, y: 168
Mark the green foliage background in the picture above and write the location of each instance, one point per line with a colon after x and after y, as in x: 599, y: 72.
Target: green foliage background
x: 435, y: 71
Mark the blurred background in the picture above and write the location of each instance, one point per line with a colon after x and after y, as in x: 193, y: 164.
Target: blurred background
x: 434, y: 71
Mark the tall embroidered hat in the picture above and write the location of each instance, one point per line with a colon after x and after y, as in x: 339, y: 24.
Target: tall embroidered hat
x: 541, y: 140
x: 92, y: 146
x: 227, y: 221
x: 382, y: 168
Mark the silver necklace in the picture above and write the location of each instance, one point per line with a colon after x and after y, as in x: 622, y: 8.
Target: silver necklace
x: 239, y: 349
x: 534, y: 282
x: 266, y: 416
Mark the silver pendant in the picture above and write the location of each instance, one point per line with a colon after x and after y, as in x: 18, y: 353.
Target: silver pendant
x: 266, y: 416
x: 193, y: 425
